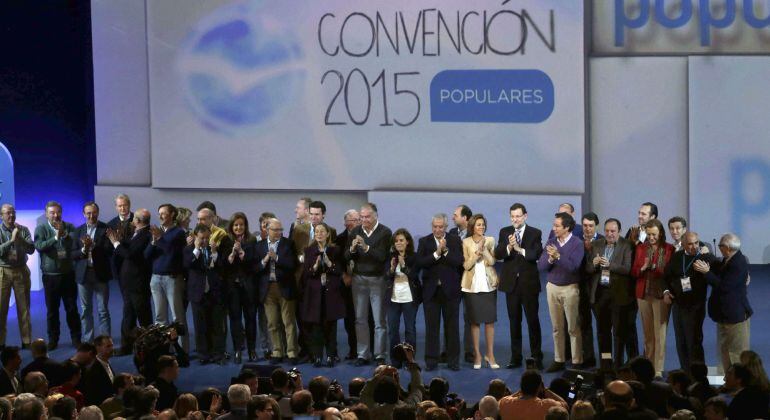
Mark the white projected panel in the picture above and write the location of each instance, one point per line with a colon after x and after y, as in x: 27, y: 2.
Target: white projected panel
x: 730, y: 151
x: 344, y: 95
x: 414, y: 210
x: 638, y: 136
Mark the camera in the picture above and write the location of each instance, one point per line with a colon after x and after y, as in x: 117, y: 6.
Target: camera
x: 294, y: 373
x: 398, y: 352
x: 575, y: 389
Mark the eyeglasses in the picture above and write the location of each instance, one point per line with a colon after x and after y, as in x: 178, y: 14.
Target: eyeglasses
x: 277, y: 229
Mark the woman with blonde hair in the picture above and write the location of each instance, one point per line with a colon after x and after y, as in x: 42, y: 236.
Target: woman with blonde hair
x: 185, y: 404
x: 479, y: 286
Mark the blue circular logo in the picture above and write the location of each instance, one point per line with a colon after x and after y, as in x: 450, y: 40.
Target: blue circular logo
x: 239, y: 68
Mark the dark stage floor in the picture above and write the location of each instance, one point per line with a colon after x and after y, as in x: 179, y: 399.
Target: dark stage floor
x: 468, y: 383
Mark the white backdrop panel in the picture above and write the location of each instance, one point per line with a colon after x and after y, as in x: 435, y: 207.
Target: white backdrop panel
x: 730, y: 151
x: 238, y: 85
x: 638, y: 136
x: 121, y: 101
x: 414, y: 210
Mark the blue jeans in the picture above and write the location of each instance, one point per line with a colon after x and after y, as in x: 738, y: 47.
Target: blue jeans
x: 409, y: 310
x: 86, y: 291
x: 168, y: 296
x: 369, y: 292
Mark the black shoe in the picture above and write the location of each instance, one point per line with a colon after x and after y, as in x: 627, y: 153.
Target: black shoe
x: 330, y: 361
x: 469, y: 358
x: 317, y: 362
x: 442, y: 357
x: 380, y: 361
x: 351, y: 356
x: 204, y: 361
x: 430, y: 367
x: 293, y: 361
x: 588, y: 364
x: 361, y: 362
x: 454, y: 367
x: 52, y: 345
x: 514, y: 364
x: 303, y: 359
x: 238, y: 358
x: 252, y: 356
x: 227, y: 355
x: 555, y: 367
x: 276, y: 360
x: 268, y: 355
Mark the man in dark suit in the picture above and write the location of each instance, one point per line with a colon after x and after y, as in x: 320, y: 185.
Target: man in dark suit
x: 728, y: 304
x: 168, y: 372
x: 611, y: 289
x: 92, y: 252
x: 96, y: 384
x: 123, y: 224
x: 134, y: 276
x: 369, y: 248
x: 10, y: 357
x: 351, y: 220
x: 277, y: 290
x: 590, y: 222
x: 440, y: 257
x: 42, y: 363
x: 520, y: 246
x: 461, y: 216
x: 205, y: 293
x: 54, y: 240
x: 686, y: 290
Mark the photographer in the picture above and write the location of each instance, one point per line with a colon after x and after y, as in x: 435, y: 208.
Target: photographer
x: 156, y: 341
x: 383, y: 393
x: 284, y: 385
x: 532, y: 401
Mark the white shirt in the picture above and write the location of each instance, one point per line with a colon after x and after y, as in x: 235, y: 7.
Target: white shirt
x: 401, y: 291
x: 435, y: 254
x: 369, y: 234
x: 107, y: 368
x: 562, y: 243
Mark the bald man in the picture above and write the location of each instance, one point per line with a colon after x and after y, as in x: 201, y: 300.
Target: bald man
x: 134, y: 276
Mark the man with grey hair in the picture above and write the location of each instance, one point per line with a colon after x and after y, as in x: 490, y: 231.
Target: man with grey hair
x: 15, y: 244
x: 368, y: 247
x: 29, y: 409
x: 488, y: 407
x: 239, y: 396
x: 133, y: 277
x: 90, y: 412
x: 35, y: 383
x: 351, y: 219
x: 728, y: 304
x: 440, y: 256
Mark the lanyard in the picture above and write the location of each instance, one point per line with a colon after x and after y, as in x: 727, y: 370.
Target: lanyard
x: 684, y: 269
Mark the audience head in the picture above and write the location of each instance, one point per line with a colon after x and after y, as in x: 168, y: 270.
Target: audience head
x: 531, y: 383
x: 279, y: 379
x: 488, y: 407
x: 738, y: 376
x: 477, y: 225
x: 386, y: 391
x: 437, y: 413
x: 6, y: 409
x: 260, y: 408
x: 369, y: 216
x: 567, y: 208
x: 582, y: 410
x: 612, y: 230
x: 679, y: 381
x: 648, y: 211
x: 71, y: 372
x: 36, y: 383
x: 206, y: 217
x: 264, y: 220
x: 91, y: 212
x: 319, y: 388
x: 53, y: 211
x: 38, y: 348
x: 355, y: 386
x: 754, y: 363
x: 557, y: 413
x: 683, y: 415
x: 238, y: 395
x: 301, y: 402
x: 461, y: 216
x: 208, y: 205
x: 498, y: 389
x: 185, y: 404
x: 91, y: 412
x: 167, y: 414
x: 715, y: 408
x: 618, y: 394
x: 34, y: 410
x: 317, y: 212
x: 438, y: 390
x: 690, y: 243
x: 560, y: 386
x: 104, y: 346
x: 141, y: 218
x: 423, y: 407
x: 123, y: 205
x: 677, y: 227
x: 274, y: 229
x: 10, y: 357
x: 643, y: 369
x: 121, y: 382
x: 8, y: 213
x: 351, y: 219
x: 145, y: 403
x: 168, y: 368
x: 361, y: 411
x: 249, y: 378
x: 402, y: 241
x: 207, y: 395
x: 729, y: 244
x: 202, y: 233
x: 438, y: 225
x: 85, y: 354
x: 563, y: 224
x: 656, y: 234
x: 64, y: 408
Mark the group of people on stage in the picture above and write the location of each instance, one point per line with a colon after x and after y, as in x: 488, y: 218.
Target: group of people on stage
x: 293, y: 287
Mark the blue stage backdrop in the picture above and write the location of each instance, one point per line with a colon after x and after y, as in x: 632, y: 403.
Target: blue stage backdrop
x: 46, y: 102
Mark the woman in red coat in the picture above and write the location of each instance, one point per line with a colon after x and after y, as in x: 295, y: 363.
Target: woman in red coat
x: 650, y: 262
x: 323, y: 305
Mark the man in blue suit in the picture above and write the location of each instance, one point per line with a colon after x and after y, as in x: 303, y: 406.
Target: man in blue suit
x: 728, y: 304
x: 276, y: 261
x: 92, y: 253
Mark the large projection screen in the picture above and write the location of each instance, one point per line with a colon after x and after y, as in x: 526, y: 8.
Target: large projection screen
x: 324, y: 95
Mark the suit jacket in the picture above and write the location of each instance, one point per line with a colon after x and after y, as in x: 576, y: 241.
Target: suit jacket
x: 97, y: 385
x: 6, y: 387
x: 284, y: 269
x: 729, y: 302
x: 519, y: 273
x: 241, y: 268
x: 135, y: 269
x: 49, y: 367
x: 48, y: 247
x: 126, y: 227
x: 412, y: 274
x: 469, y: 262
x: 446, y: 268
x: 681, y: 265
x: 621, y: 284
x: 640, y: 254
x: 456, y: 232
x: 101, y: 254
x: 198, y: 273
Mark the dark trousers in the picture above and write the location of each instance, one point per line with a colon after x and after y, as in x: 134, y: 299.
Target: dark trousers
x: 586, y: 326
x: 136, y: 308
x: 517, y: 302
x: 611, y: 325
x: 409, y: 311
x: 208, y: 318
x: 632, y: 343
x: 688, y: 330
x: 61, y: 288
x: 242, y: 305
x: 437, y: 307
x: 467, y: 337
x: 323, y: 335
